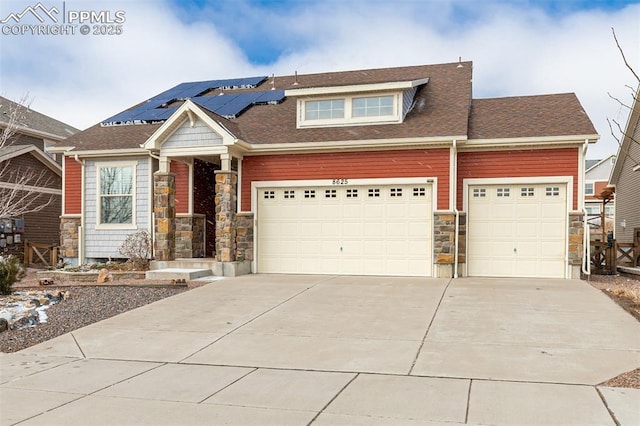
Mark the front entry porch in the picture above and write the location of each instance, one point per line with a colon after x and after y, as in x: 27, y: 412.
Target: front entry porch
x: 195, y: 202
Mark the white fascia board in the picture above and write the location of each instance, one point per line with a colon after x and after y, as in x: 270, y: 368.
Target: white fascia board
x: 373, y: 87
x: 528, y: 142
x: 195, y: 151
x: 59, y: 149
x: 108, y: 153
x: 39, y: 133
x: 352, y: 144
x: 40, y: 155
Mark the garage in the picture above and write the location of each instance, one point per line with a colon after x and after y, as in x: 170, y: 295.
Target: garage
x: 517, y: 230
x: 368, y: 229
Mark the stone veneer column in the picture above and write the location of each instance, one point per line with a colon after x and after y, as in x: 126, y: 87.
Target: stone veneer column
x: 244, y: 237
x: 226, y: 202
x: 576, y: 244
x: 164, y: 209
x: 444, y: 244
x: 69, y: 238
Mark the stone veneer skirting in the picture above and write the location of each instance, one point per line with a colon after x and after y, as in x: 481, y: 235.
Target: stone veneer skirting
x: 189, y: 235
x: 244, y: 236
x: 69, y: 237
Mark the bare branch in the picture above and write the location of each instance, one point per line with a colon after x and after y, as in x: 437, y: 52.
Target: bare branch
x: 22, y: 190
x: 621, y: 131
x: 624, y: 58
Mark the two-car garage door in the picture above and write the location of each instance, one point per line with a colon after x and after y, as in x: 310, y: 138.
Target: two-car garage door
x: 517, y: 230
x: 345, y: 229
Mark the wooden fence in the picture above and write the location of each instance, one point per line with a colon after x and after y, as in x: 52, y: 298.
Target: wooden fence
x: 36, y: 254
x: 607, y: 256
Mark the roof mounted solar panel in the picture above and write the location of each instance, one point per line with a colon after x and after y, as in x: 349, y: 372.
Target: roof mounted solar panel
x: 270, y: 96
x: 251, y: 81
x: 212, y: 103
x: 156, y: 114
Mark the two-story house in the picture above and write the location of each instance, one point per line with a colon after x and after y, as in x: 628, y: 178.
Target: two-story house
x: 393, y: 171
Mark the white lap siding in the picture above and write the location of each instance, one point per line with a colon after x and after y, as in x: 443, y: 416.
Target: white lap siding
x: 104, y: 243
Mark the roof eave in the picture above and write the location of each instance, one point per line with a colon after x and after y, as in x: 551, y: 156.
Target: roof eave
x: 107, y: 152
x: 353, y: 88
x: 632, y: 123
x: 533, y: 141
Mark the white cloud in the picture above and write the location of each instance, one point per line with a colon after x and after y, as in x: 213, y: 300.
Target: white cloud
x: 517, y: 50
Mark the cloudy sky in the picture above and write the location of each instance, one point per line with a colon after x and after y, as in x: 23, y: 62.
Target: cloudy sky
x: 518, y: 47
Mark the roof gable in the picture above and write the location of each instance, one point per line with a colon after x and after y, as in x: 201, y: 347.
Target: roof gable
x: 189, y: 119
x: 13, y: 151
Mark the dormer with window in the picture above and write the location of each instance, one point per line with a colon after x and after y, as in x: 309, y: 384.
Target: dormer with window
x: 367, y: 104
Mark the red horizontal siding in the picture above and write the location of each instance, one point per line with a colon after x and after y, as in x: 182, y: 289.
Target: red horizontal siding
x: 524, y: 163
x: 181, y: 170
x: 349, y: 165
x: 72, y: 186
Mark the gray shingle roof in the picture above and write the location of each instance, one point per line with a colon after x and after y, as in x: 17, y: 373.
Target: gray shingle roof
x: 35, y: 121
x: 443, y: 108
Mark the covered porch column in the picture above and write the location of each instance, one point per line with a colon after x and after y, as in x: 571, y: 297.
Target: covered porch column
x: 164, y: 210
x: 226, y: 209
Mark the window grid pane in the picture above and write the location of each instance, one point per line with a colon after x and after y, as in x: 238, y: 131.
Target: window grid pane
x: 372, y: 107
x: 322, y: 110
x: 116, y: 195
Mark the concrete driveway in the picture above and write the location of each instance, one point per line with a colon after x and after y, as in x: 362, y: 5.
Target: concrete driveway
x: 286, y: 349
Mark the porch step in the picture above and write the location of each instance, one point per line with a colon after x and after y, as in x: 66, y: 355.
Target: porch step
x: 178, y: 274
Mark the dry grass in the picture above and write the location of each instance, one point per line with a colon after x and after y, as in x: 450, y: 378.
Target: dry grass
x: 624, y: 289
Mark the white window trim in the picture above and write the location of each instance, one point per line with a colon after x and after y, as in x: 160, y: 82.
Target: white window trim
x: 593, y: 187
x: 348, y: 119
x: 124, y: 226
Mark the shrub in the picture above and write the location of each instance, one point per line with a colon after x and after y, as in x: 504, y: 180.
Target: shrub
x: 9, y: 269
x: 137, y: 248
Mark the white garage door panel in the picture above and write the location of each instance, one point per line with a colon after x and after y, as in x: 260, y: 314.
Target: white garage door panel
x: 517, y: 230
x: 359, y: 230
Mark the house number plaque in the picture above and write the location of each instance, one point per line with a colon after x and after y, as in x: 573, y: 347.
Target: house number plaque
x: 340, y: 182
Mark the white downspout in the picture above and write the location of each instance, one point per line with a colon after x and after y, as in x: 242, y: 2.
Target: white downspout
x: 454, y: 191
x: 586, y: 238
x: 82, y: 215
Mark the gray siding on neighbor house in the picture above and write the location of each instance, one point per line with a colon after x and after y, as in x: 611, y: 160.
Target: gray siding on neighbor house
x: 104, y: 243
x: 600, y: 172
x: 628, y: 193
x: 198, y: 135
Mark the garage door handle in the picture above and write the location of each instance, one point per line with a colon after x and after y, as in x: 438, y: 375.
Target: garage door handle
x: 515, y: 250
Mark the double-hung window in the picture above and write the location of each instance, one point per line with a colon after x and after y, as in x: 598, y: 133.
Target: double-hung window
x: 116, y: 186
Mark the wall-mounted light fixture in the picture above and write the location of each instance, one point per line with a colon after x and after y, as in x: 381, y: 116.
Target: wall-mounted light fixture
x: 623, y: 223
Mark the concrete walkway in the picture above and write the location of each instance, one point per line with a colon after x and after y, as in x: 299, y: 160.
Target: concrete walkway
x: 321, y: 350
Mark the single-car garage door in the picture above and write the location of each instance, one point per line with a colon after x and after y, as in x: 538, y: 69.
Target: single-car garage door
x: 517, y: 230
x: 356, y: 230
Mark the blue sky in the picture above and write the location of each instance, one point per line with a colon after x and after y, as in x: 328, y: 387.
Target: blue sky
x: 517, y: 47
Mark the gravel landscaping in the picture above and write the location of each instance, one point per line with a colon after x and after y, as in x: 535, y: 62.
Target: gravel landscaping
x: 85, y: 305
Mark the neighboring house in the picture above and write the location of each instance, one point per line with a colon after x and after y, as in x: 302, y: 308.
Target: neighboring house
x: 27, y: 152
x: 596, y: 179
x: 626, y: 178
x: 394, y: 171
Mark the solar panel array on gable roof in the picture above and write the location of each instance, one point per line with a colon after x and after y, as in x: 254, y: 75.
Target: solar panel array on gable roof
x: 230, y: 106
x: 227, y: 105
